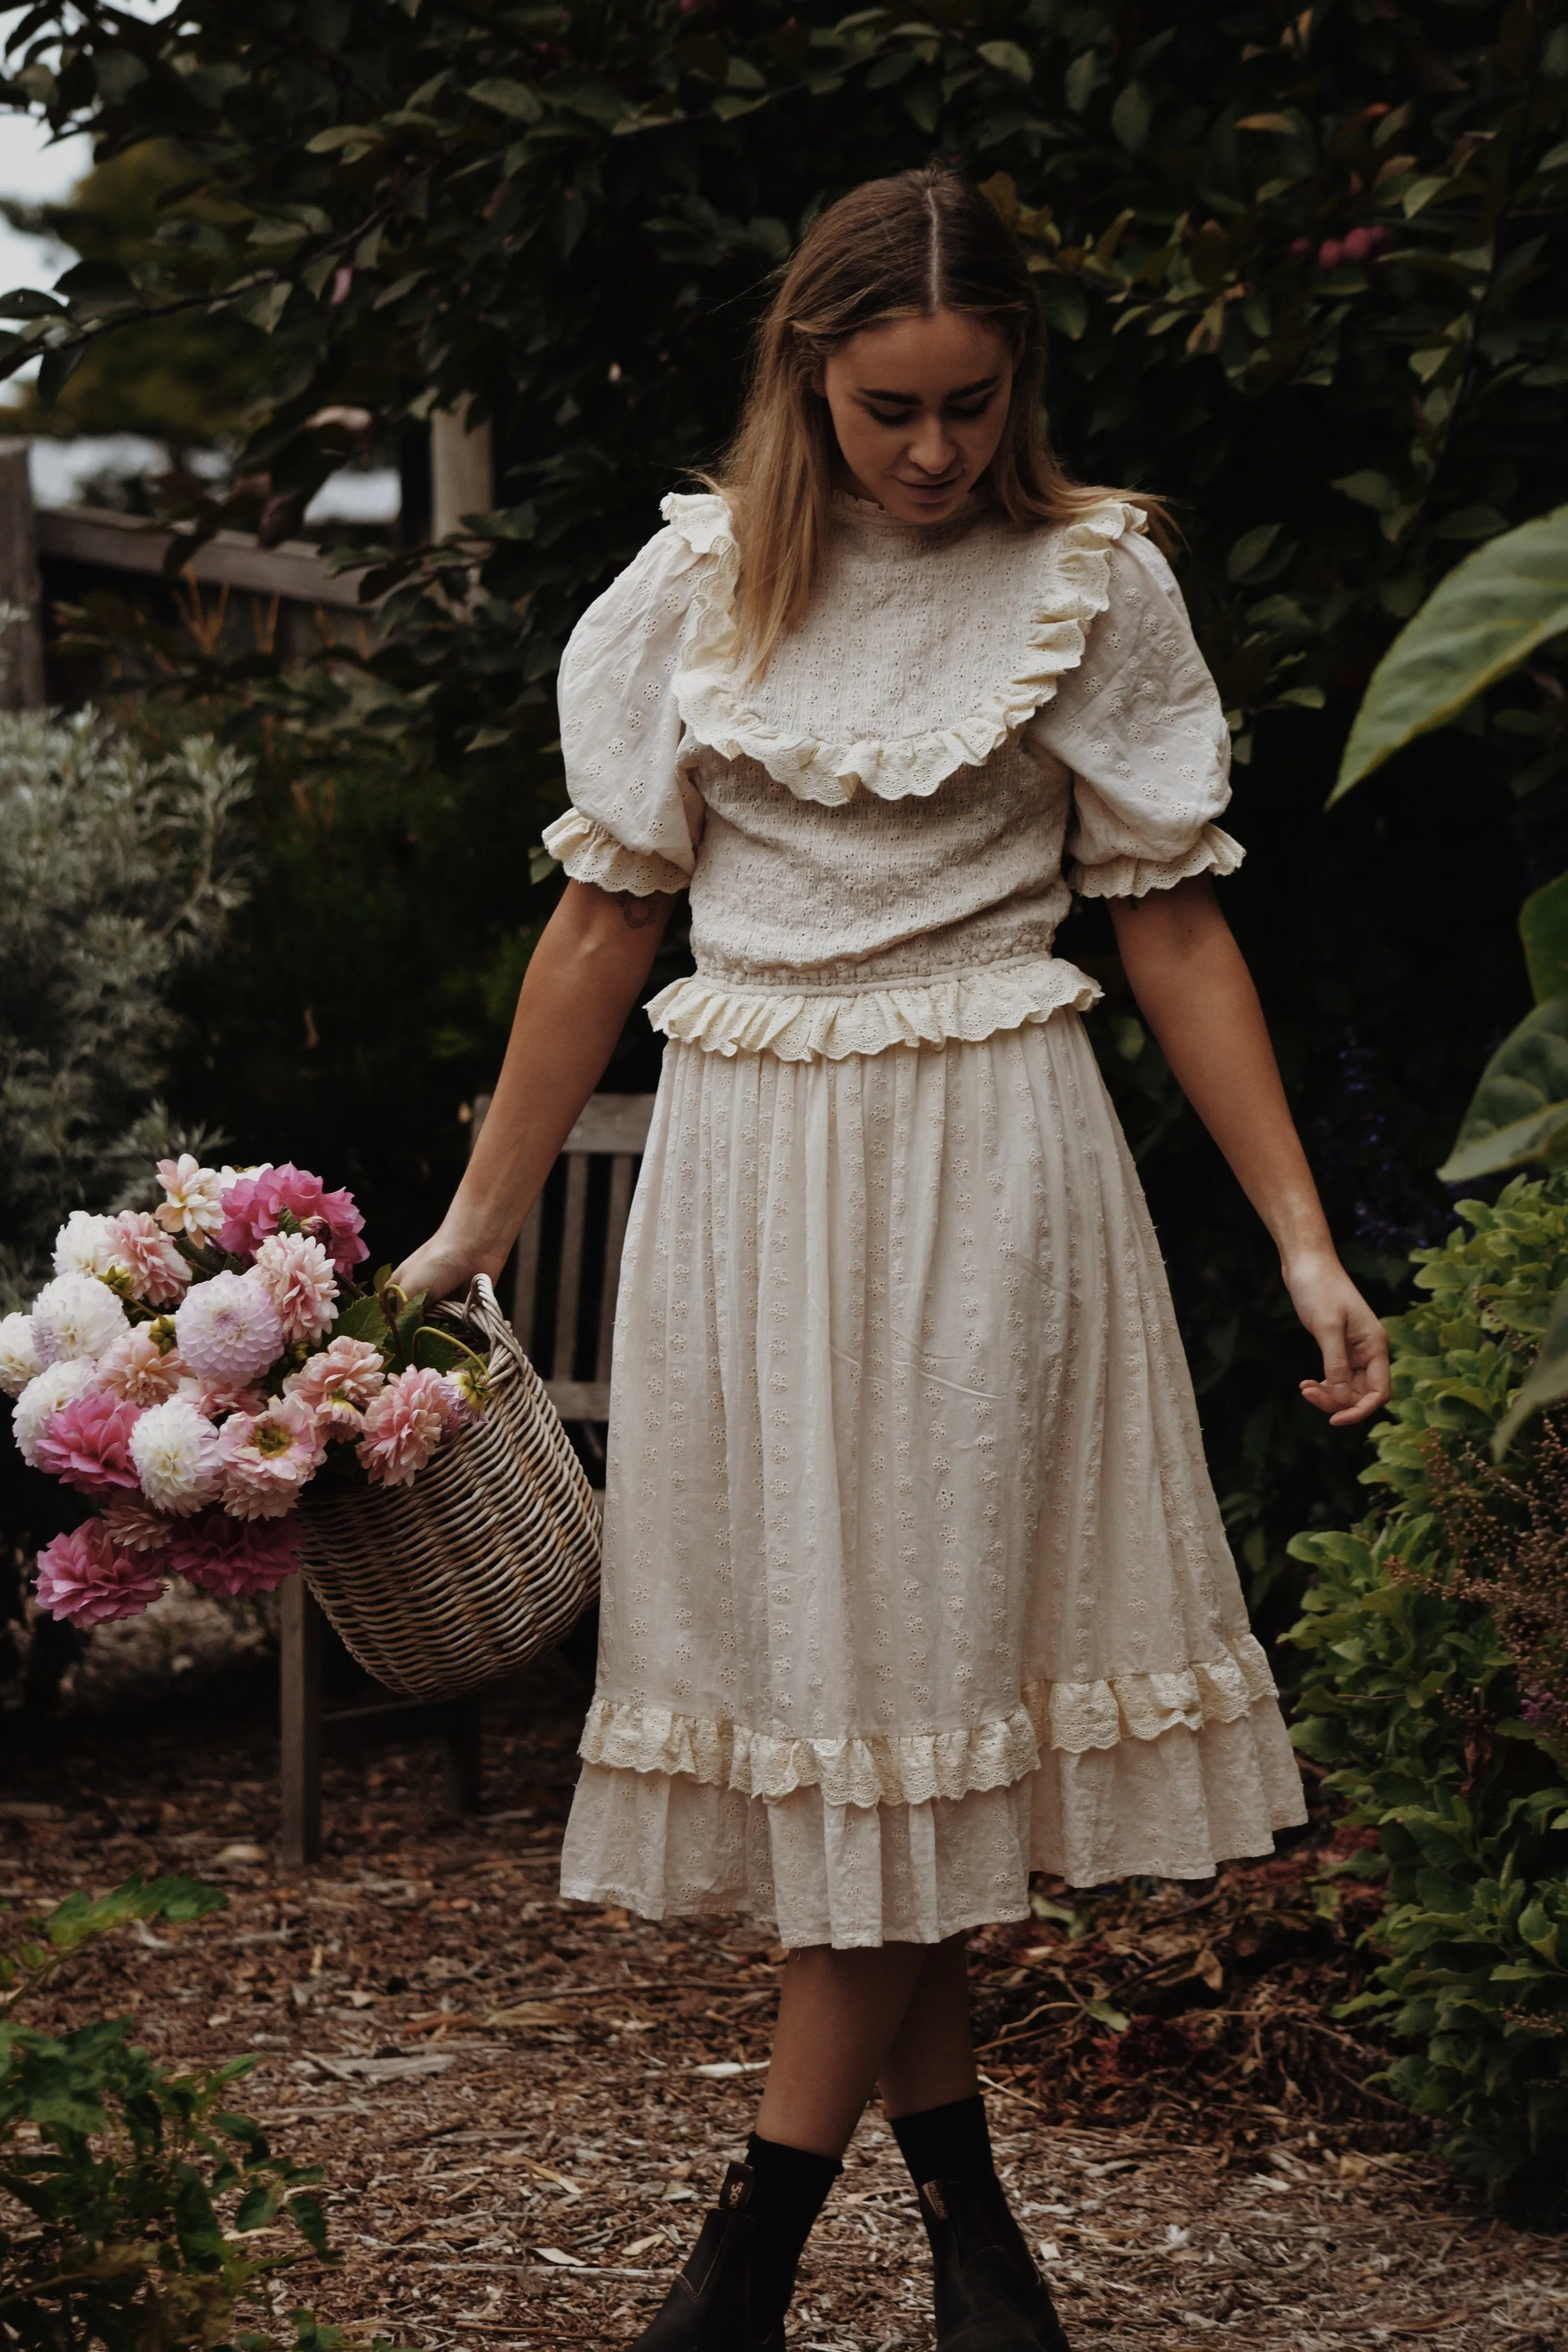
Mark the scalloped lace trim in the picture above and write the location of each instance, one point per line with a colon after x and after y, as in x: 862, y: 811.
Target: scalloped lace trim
x: 1214, y: 852
x: 913, y: 1769
x: 589, y: 854
x: 810, y: 1025
x: 710, y: 684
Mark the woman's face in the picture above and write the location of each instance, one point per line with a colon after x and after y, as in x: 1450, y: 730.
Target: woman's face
x: 918, y: 406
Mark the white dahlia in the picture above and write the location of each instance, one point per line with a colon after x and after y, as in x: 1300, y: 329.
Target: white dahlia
x: 177, y: 1457
x: 195, y: 1201
x: 228, y: 1329
x: 85, y: 1244
x: 18, y: 1356
x: 297, y: 1276
x: 57, y: 1384
x: 76, y: 1315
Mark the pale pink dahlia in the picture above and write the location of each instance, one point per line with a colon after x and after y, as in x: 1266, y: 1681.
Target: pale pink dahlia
x: 76, y: 1315
x: 297, y: 1276
x: 232, y: 1557
x: 18, y: 1354
x: 255, y: 1206
x: 337, y: 1384
x: 177, y: 1457
x: 42, y: 1399
x: 135, y: 1526
x: 88, y: 1443
x: 405, y: 1424
x: 218, y: 1399
x: 139, y: 1369
x: 228, y: 1329
x: 195, y: 1203
x: 159, y: 1275
x: 88, y: 1579
x: 268, y: 1457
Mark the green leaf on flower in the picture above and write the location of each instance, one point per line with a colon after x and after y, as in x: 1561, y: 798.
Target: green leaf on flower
x: 435, y: 1350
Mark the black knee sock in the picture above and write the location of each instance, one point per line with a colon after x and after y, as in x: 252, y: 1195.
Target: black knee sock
x: 949, y: 2143
x: 789, y: 2190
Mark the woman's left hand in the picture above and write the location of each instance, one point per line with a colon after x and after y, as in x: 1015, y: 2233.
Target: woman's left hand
x: 1356, y: 1382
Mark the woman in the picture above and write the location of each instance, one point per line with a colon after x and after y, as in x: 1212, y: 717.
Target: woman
x: 914, y: 1580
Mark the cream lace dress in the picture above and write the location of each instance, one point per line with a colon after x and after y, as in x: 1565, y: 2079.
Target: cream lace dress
x: 914, y: 1580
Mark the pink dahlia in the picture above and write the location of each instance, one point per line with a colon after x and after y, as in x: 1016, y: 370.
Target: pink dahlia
x: 88, y: 1443
x: 337, y: 1384
x: 297, y: 1276
x: 218, y: 1399
x: 135, y: 1526
x: 268, y: 1457
x: 139, y: 1369
x: 88, y: 1579
x: 137, y: 1242
x: 254, y: 1206
x: 405, y: 1424
x: 228, y: 1329
x: 231, y: 1557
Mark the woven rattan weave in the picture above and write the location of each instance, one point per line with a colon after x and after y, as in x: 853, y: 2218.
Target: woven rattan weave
x: 488, y: 1558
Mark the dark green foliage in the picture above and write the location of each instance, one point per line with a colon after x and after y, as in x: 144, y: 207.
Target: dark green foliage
x: 572, y: 215
x: 184, y: 381
x: 1444, y: 1733
x: 144, y: 2190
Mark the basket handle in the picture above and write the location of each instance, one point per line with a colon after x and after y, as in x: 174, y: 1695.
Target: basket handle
x: 479, y: 1310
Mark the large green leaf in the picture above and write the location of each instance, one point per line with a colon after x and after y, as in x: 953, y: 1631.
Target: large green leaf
x: 1520, y: 1110
x: 1482, y: 621
x: 1548, y: 1377
x: 1544, y: 928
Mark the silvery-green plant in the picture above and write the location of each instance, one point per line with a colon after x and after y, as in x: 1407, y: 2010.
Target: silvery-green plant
x: 116, y: 869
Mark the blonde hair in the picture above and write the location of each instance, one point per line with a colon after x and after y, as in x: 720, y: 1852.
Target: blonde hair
x: 897, y: 248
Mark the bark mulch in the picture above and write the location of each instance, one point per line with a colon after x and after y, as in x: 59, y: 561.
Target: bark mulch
x: 521, y: 2107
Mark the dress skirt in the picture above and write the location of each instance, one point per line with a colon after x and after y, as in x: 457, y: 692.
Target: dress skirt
x: 914, y: 1580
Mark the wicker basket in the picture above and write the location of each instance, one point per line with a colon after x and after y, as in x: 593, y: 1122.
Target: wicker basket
x: 488, y: 1558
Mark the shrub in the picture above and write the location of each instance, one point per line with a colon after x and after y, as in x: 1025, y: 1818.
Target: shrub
x: 128, y: 2170
x: 1438, y: 1696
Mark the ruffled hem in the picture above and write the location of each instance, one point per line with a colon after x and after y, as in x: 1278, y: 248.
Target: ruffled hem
x: 914, y: 1769
x: 816, y: 1872
x: 710, y: 684
x: 808, y: 1025
x: 1214, y: 852
x: 589, y: 854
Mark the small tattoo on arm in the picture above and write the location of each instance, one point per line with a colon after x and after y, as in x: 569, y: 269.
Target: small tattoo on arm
x: 636, y: 913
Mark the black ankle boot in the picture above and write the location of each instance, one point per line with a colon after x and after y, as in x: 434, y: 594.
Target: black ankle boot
x: 730, y: 2296
x: 989, y: 2295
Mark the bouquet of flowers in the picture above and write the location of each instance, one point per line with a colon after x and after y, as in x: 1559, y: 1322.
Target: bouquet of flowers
x: 193, y: 1368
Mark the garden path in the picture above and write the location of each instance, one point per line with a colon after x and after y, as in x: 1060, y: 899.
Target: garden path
x: 521, y: 2108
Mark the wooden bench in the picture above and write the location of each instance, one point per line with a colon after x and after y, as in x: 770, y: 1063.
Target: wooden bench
x: 578, y: 1225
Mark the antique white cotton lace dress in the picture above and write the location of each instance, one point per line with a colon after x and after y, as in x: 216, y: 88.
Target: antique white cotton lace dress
x: 914, y: 1580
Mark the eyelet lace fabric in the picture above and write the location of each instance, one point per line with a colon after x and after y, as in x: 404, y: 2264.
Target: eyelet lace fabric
x: 914, y: 1580
x: 875, y: 831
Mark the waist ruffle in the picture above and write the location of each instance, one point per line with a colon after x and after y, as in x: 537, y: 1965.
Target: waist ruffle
x: 914, y: 1769
x: 807, y: 1023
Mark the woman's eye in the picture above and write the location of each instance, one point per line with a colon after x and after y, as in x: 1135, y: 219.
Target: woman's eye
x: 877, y: 418
x: 968, y: 416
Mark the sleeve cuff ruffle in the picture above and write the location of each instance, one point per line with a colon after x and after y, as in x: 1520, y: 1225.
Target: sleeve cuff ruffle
x: 589, y: 854
x: 1214, y: 852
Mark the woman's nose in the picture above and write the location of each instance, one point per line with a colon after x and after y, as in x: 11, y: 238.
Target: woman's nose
x: 930, y: 450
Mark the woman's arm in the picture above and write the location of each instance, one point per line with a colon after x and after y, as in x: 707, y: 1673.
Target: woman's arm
x: 581, y: 981
x: 1191, y: 983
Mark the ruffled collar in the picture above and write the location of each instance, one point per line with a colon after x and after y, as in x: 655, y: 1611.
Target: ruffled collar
x: 1062, y: 585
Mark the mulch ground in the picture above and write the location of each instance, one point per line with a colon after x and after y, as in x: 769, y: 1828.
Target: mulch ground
x: 521, y: 2108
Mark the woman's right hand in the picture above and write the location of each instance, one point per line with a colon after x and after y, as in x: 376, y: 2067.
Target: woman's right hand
x: 446, y: 1263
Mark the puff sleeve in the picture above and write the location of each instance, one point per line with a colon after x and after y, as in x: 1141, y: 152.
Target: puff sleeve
x: 635, y: 820
x: 1140, y: 725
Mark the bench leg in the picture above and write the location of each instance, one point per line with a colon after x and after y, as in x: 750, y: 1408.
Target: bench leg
x: 299, y: 1714
x: 460, y: 1764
